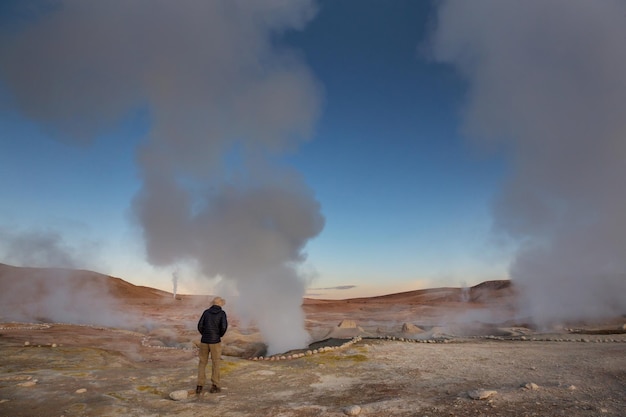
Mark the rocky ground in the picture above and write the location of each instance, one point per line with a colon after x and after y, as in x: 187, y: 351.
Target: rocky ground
x: 411, y: 359
x: 65, y: 370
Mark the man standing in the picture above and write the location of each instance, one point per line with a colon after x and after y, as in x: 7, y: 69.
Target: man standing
x: 212, y: 326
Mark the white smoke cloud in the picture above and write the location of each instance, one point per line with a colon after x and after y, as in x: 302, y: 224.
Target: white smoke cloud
x: 45, y: 248
x: 59, y: 295
x: 547, y: 79
x: 36, y: 248
x: 225, y: 101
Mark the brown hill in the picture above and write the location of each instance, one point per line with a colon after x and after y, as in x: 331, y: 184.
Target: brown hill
x: 80, y: 296
x: 38, y: 280
x: 481, y: 292
x: 34, y: 280
x: 69, y: 296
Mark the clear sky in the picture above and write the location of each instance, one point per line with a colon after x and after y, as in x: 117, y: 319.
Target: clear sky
x: 387, y: 115
x: 406, y: 197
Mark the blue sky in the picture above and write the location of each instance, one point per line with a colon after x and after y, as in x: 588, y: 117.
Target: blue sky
x: 406, y: 196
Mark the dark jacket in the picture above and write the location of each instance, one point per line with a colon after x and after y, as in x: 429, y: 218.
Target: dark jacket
x: 212, y: 325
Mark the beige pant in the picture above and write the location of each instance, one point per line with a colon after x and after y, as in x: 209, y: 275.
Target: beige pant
x: 216, y: 353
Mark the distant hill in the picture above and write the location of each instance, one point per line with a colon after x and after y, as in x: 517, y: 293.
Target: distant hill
x: 69, y: 296
x: 488, y: 290
x: 38, y: 279
x: 32, y: 280
x: 80, y: 296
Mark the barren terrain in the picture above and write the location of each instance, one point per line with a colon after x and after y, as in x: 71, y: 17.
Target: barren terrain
x: 438, y: 352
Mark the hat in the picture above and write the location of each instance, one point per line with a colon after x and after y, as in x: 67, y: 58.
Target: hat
x: 218, y: 301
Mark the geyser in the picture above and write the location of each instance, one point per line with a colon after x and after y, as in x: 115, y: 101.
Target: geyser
x: 225, y: 102
x: 553, y: 94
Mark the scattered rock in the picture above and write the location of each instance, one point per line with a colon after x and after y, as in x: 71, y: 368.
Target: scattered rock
x: 353, y: 410
x: 30, y: 383
x: 27, y: 343
x: 531, y: 386
x: 411, y: 328
x: 572, y: 387
x: 481, y: 394
x: 81, y: 391
x: 439, y: 332
x: 156, y: 343
x: 179, y: 395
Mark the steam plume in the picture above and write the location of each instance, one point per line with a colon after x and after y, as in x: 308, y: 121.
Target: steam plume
x: 174, y: 283
x: 225, y: 100
x: 548, y: 79
x: 36, y: 248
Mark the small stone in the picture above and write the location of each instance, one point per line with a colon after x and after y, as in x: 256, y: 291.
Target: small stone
x: 30, y: 383
x: 26, y: 343
x: 531, y: 386
x: 481, y: 394
x: 179, y: 395
x: 572, y: 387
x: 81, y: 391
x: 54, y: 345
x: 353, y: 410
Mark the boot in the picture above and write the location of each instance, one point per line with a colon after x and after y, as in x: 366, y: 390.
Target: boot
x: 198, y: 389
x: 214, y: 389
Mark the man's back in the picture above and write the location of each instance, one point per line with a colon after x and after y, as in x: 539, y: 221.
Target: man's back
x: 213, y: 324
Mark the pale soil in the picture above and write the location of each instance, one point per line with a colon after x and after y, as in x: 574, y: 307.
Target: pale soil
x: 384, y: 377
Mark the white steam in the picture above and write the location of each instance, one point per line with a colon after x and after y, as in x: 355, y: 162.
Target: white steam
x: 37, y: 248
x: 174, y: 283
x: 548, y: 80
x: 46, y: 247
x: 59, y: 295
x: 225, y: 102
